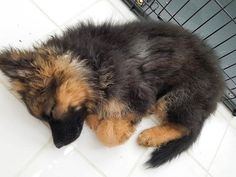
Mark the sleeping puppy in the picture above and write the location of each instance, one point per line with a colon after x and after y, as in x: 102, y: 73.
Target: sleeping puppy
x: 51, y: 87
x: 113, y: 75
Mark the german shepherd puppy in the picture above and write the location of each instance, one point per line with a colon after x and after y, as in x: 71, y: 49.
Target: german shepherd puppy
x: 114, y: 74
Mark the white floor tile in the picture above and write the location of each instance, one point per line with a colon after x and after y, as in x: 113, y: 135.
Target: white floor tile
x: 116, y: 161
x: 127, y: 13
x: 60, y: 10
x: 182, y: 166
x: 224, y: 111
x: 100, y: 12
x: 224, y: 164
x: 64, y: 162
x: 22, y: 24
x: 233, y: 122
x: 209, y: 175
x: 4, y: 80
x: 21, y: 135
x: 206, y: 146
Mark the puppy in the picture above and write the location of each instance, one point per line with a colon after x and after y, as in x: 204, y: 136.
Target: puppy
x: 114, y: 74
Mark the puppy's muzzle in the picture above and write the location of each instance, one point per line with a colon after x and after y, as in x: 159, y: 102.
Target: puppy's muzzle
x: 68, y: 129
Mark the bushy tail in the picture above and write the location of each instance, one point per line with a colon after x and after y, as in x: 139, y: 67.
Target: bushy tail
x: 172, y: 149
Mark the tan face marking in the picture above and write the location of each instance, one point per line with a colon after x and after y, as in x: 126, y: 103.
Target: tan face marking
x: 71, y: 94
x: 18, y: 86
x: 70, y: 87
x: 20, y: 54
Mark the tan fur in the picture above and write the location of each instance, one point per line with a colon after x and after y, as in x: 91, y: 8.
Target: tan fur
x: 18, y: 86
x: 93, y: 121
x: 72, y: 91
x: 113, y: 131
x: 35, y: 108
x: 21, y: 54
x: 160, y: 109
x: 159, y: 135
x: 75, y: 90
x: 113, y: 108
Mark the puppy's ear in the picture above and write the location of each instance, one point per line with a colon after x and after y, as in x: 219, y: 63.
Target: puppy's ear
x: 16, y: 64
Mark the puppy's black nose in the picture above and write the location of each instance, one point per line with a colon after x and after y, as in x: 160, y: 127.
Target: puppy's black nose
x: 65, y: 132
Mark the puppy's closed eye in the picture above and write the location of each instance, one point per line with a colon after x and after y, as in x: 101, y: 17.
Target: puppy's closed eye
x: 49, y: 107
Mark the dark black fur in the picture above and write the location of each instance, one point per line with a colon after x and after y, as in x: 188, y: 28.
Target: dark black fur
x: 176, y: 63
x: 146, y: 61
x: 68, y: 129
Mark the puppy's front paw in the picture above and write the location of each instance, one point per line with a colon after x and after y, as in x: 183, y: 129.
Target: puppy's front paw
x: 147, y: 138
x: 112, y: 132
x: 92, y: 121
x: 157, y: 136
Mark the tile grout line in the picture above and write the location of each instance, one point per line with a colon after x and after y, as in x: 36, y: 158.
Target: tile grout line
x: 137, y: 163
x: 199, y: 164
x: 44, y: 13
x: 90, y: 163
x: 218, y: 147
x: 33, y: 157
x: 208, y: 168
x: 209, y: 175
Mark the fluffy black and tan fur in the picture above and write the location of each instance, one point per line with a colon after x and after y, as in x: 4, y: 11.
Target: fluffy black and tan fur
x: 112, y: 75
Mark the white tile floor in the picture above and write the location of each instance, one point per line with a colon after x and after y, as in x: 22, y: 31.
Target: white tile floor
x: 26, y: 146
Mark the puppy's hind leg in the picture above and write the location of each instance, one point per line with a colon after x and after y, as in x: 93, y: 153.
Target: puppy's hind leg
x: 167, y: 131
x: 180, y: 127
x: 159, y: 135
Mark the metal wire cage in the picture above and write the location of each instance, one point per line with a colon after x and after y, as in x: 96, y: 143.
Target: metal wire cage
x: 213, y: 20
